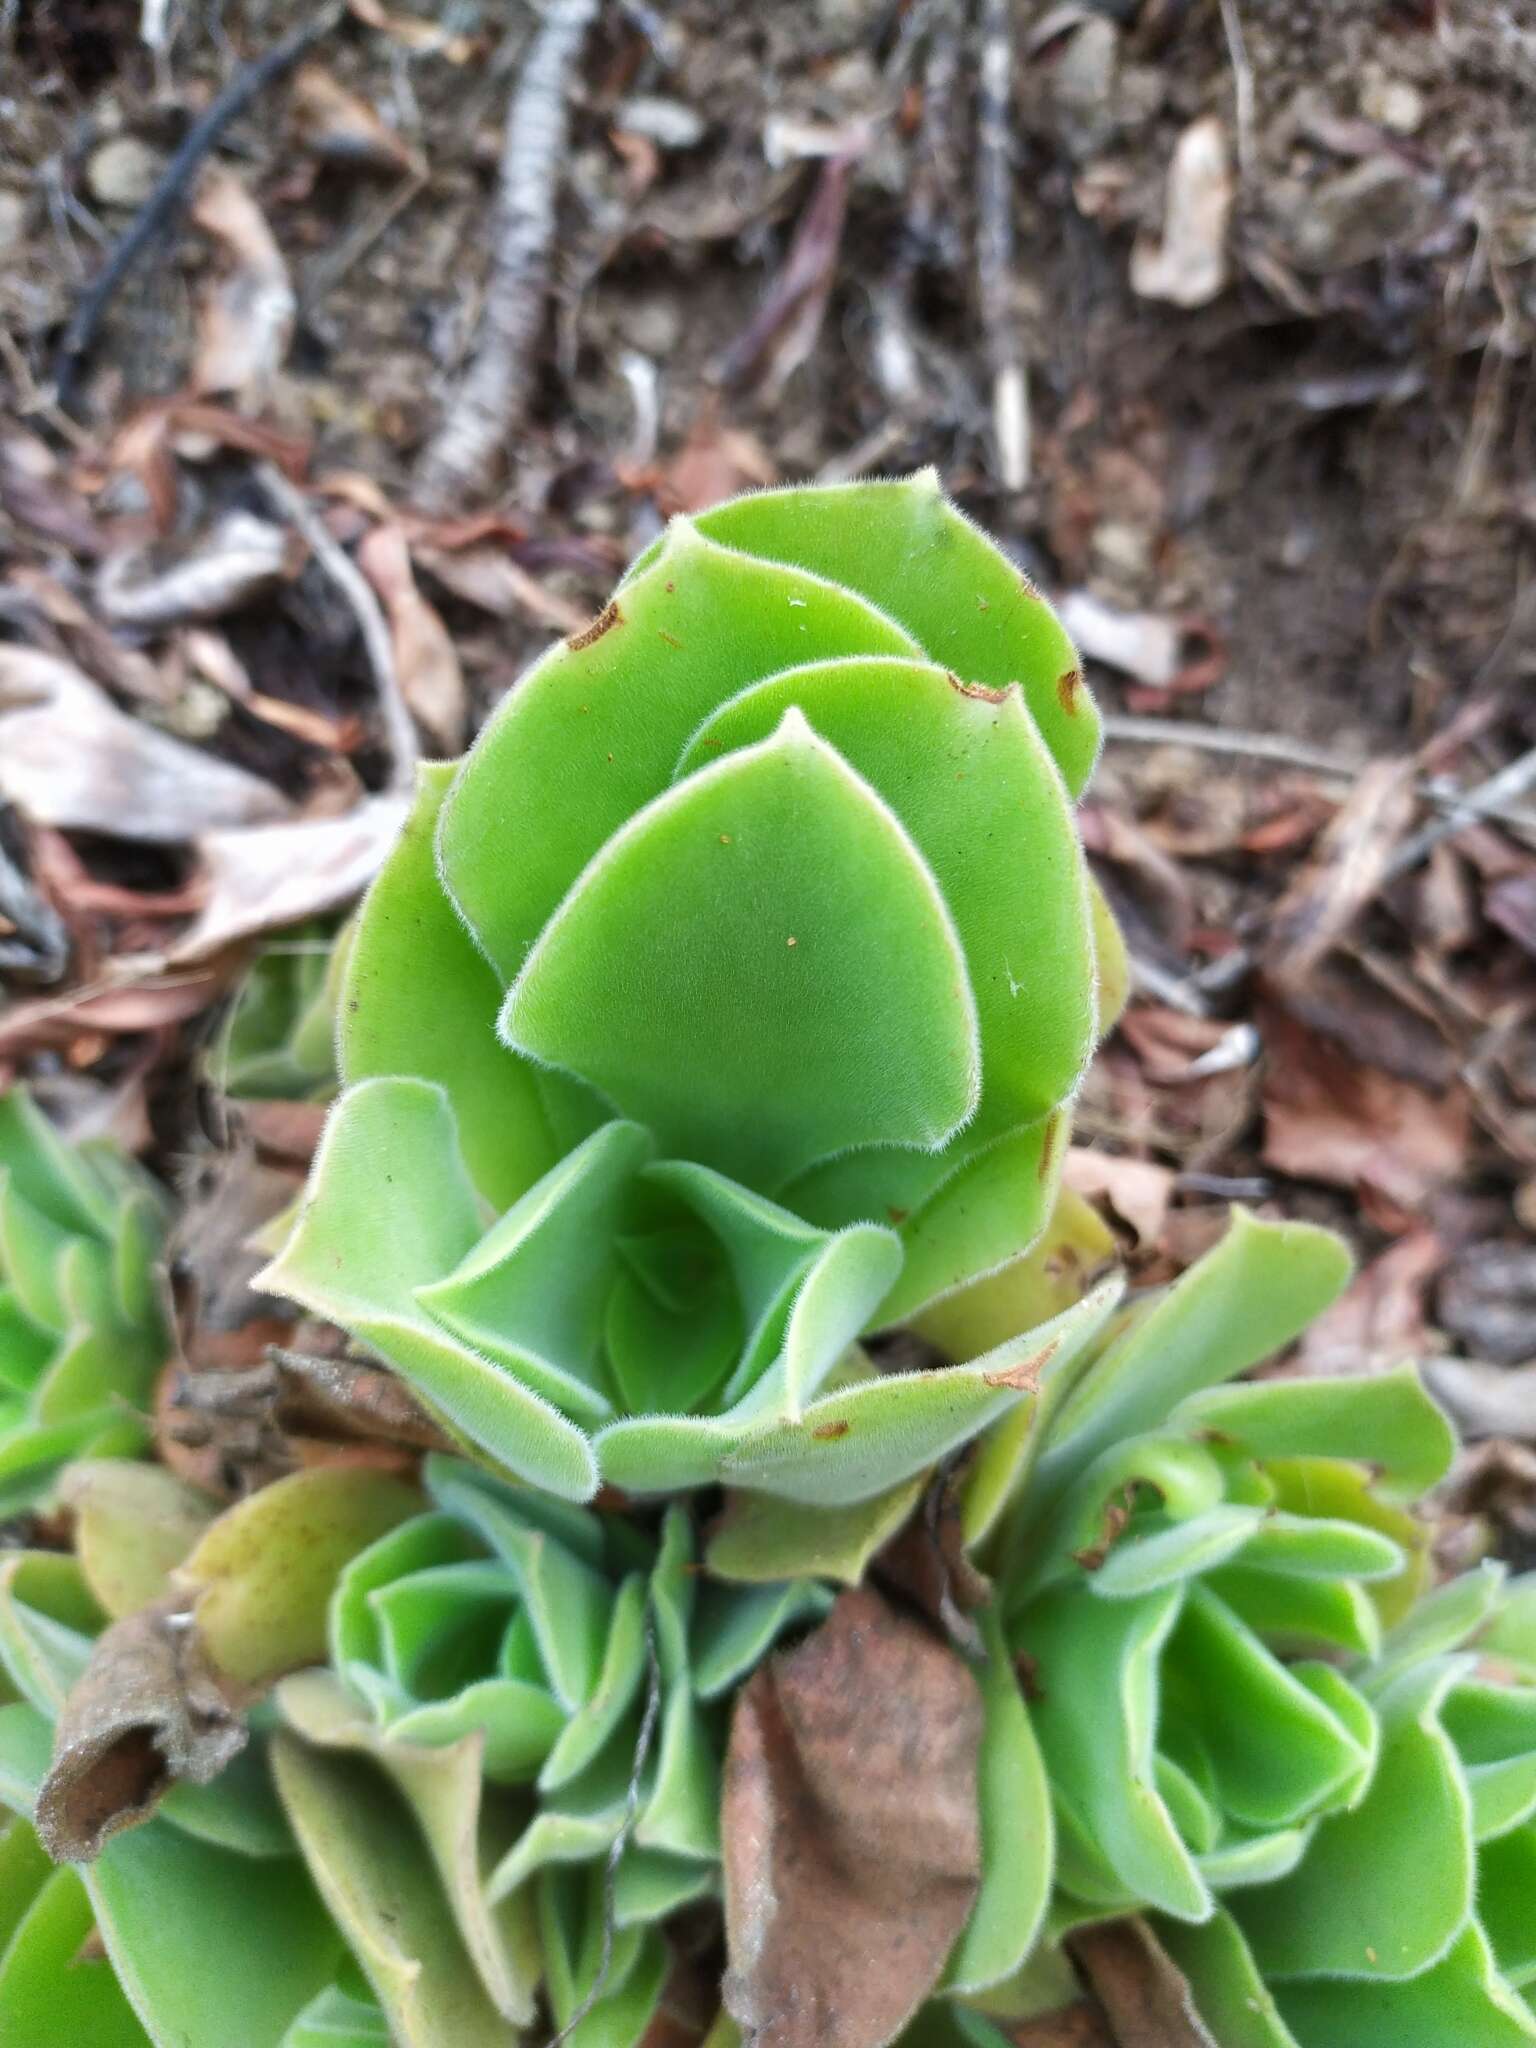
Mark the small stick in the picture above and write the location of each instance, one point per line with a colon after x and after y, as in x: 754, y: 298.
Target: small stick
x: 335, y: 562
x: 457, y: 461
x: 1242, y: 87
x: 1492, y: 804
x: 165, y: 202
x: 1488, y: 801
x: 995, y: 245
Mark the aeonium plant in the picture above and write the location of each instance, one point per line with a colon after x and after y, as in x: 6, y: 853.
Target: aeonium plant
x: 722, y: 1007
x: 82, y: 1332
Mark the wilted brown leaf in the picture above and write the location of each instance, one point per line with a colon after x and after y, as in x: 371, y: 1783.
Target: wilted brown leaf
x: 1138, y: 1190
x: 425, y: 662
x: 1378, y: 1321
x: 1327, y: 1117
x: 282, y: 874
x: 1346, y: 872
x: 339, y: 125
x: 852, y: 1836
x: 69, y: 757
x: 245, y: 320
x: 1145, y: 1999
x: 145, y: 1712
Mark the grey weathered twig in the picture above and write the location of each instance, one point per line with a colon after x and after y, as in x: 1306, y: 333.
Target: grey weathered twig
x: 995, y: 244
x: 1242, y: 87
x: 458, y: 460
x: 338, y: 565
x: 168, y: 197
x: 1488, y: 802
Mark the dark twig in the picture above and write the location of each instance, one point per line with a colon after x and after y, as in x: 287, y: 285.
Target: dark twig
x: 457, y: 462
x: 620, y: 1842
x: 166, y: 201
x: 995, y: 245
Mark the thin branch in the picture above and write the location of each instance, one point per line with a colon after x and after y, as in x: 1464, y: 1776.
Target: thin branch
x: 1489, y: 801
x: 995, y: 245
x: 1242, y: 87
x: 163, y: 205
x: 338, y: 565
x: 457, y: 462
x: 1492, y: 803
x: 620, y: 1841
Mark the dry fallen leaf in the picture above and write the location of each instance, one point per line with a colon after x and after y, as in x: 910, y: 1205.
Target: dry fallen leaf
x: 1328, y: 1117
x: 1138, y: 1190
x: 1485, y: 1400
x: 851, y: 1832
x: 425, y: 662
x: 1378, y: 1321
x: 145, y: 1713
x: 339, y: 125
x: 1346, y: 871
x: 1145, y: 1999
x: 69, y: 757
x: 1188, y: 267
x: 245, y: 321
x: 281, y: 874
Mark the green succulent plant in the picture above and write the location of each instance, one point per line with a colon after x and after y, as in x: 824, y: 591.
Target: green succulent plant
x: 722, y: 1006
x: 169, y: 1937
x: 82, y: 1334
x: 278, y: 1036
x: 495, y: 1657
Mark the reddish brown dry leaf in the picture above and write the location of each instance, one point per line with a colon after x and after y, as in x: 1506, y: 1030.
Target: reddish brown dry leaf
x: 338, y: 125
x: 1169, y: 1042
x: 245, y: 320
x: 1145, y: 1999
x: 488, y: 578
x: 91, y: 1016
x: 1379, y: 1321
x: 1138, y: 1190
x: 149, y: 442
x: 851, y: 1831
x: 1077, y: 2026
x: 714, y: 462
x: 425, y: 662
x: 1346, y: 872
x: 1329, y: 1118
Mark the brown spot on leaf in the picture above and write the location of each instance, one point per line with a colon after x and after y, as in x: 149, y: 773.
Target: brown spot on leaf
x: 829, y: 1431
x: 1116, y: 1514
x: 609, y: 617
x: 1025, y: 1376
x: 897, y: 1215
x: 1067, y: 687
x: 846, y: 1887
x: 987, y: 696
x: 670, y: 638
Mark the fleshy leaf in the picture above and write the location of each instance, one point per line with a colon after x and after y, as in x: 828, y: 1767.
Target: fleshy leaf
x: 765, y: 849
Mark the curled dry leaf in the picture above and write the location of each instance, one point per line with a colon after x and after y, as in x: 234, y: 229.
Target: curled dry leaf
x: 342, y: 127
x: 145, y: 1713
x: 425, y: 661
x: 1145, y: 1999
x: 1138, y: 1190
x: 1378, y: 1321
x: 282, y: 874
x: 1189, y: 266
x: 1346, y: 872
x: 69, y: 757
x: 245, y: 321
x: 237, y: 558
x: 851, y: 1829
x: 1328, y: 1117
x: 488, y: 578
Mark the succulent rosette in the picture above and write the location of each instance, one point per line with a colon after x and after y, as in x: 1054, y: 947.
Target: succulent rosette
x: 278, y: 1037
x: 172, y: 1934
x: 722, y: 1006
x: 81, y: 1329
x: 509, y: 1664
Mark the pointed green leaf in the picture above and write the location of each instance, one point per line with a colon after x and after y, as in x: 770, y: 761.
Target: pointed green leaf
x: 765, y: 850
